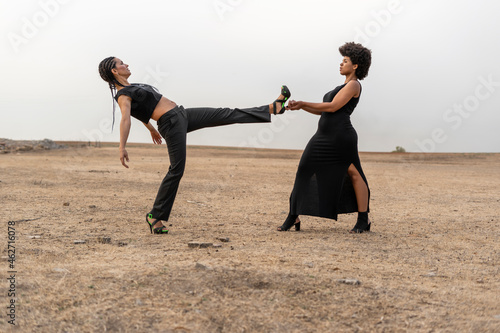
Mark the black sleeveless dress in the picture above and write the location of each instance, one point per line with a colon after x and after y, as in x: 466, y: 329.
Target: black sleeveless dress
x: 322, y: 186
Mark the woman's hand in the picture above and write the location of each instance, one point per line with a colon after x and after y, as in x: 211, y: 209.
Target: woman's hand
x: 124, y: 157
x: 294, y: 105
x: 156, y: 137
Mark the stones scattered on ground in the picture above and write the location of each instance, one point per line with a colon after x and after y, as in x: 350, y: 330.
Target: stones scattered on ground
x: 60, y: 270
x: 204, y: 245
x: 66, y: 204
x: 309, y: 264
x: 434, y: 274
x: 100, y: 240
x: 10, y: 146
x: 352, y: 282
x: 196, y: 203
x: 223, y: 239
x: 301, y: 316
x: 203, y: 267
x: 200, y: 245
x: 103, y: 240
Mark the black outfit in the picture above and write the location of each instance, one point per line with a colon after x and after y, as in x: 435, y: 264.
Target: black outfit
x: 322, y: 186
x: 144, y: 100
x: 174, y: 126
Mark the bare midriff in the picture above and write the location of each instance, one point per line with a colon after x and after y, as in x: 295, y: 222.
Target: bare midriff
x: 163, y: 106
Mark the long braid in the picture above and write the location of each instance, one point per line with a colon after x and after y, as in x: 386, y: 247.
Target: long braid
x: 105, y: 68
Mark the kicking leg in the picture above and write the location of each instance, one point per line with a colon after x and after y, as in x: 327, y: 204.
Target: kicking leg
x: 210, y: 117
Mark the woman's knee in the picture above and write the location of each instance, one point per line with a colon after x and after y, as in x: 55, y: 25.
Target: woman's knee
x: 353, y: 173
x: 177, y: 169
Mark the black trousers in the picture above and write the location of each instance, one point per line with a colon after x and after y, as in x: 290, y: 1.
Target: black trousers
x: 174, y: 126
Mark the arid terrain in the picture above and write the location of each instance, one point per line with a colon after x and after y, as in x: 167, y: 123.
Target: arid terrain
x: 85, y: 260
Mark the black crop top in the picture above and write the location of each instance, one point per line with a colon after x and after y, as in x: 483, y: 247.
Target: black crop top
x: 144, y: 100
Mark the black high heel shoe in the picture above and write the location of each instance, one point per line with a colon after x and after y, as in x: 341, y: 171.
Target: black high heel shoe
x: 290, y: 220
x: 360, y: 227
x: 160, y: 230
x: 286, y: 95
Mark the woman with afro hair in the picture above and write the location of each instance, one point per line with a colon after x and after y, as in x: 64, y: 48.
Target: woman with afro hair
x: 329, y: 179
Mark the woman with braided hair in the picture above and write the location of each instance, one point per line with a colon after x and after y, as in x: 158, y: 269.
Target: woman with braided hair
x: 330, y: 180
x: 144, y: 102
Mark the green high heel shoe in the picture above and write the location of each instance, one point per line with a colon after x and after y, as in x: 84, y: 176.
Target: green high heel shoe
x: 160, y: 230
x: 286, y: 95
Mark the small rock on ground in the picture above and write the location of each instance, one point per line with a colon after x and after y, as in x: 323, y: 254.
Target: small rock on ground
x: 199, y: 245
x: 202, y: 266
x: 353, y: 282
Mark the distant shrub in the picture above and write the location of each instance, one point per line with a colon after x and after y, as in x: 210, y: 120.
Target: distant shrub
x: 399, y: 150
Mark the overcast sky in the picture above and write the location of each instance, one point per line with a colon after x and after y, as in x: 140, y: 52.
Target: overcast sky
x: 434, y: 84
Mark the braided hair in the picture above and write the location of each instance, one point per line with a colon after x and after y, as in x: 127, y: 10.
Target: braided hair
x: 107, y: 75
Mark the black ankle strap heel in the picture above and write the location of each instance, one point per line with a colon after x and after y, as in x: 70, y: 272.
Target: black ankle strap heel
x: 290, y: 221
x: 362, y: 224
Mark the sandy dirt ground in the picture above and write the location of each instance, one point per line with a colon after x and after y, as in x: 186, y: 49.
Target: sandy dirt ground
x: 86, y: 262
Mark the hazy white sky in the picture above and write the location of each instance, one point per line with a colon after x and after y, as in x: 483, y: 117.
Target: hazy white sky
x: 434, y: 84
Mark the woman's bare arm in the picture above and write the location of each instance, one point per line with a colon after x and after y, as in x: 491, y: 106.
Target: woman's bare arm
x: 124, y: 102
x: 154, y: 133
x: 343, y: 96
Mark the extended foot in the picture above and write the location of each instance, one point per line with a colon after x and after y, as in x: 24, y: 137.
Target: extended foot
x: 278, y: 106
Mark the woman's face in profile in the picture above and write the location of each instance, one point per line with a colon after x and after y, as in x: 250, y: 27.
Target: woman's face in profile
x: 121, y: 68
x: 346, y: 66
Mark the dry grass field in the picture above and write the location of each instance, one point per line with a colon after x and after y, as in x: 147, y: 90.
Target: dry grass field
x: 86, y: 262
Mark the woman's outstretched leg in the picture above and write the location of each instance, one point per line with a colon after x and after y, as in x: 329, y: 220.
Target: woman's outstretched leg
x: 210, y: 117
x: 174, y: 126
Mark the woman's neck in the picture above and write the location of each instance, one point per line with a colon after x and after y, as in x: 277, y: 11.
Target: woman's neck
x: 350, y: 77
x: 123, y: 82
